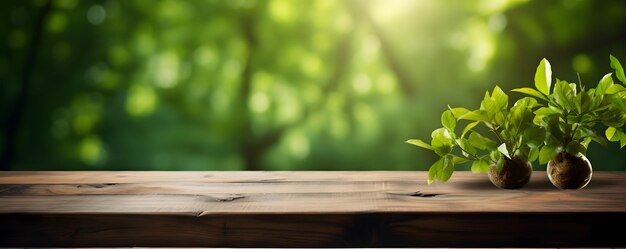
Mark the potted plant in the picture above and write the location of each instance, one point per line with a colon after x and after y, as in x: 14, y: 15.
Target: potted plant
x: 505, y: 154
x: 569, y: 114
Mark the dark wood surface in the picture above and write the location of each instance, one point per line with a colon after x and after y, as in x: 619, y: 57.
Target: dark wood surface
x: 304, y: 209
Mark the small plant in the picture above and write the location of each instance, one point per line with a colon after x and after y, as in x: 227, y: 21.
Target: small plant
x: 513, y: 141
x: 555, y: 124
x: 569, y: 113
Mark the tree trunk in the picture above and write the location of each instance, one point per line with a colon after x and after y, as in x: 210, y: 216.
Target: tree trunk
x: 15, y: 114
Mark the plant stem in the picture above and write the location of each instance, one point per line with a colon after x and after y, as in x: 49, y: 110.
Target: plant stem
x: 497, y: 135
x: 568, y: 135
x: 474, y: 156
x: 512, y: 154
x: 574, y: 130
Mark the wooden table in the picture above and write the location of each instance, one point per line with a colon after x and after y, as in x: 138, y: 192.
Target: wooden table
x: 304, y: 209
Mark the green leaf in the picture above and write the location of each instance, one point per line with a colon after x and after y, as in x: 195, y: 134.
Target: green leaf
x: 448, y: 120
x: 419, y: 143
x: 548, y: 152
x: 573, y: 87
x: 553, y: 127
x: 578, y: 103
x: 547, y: 111
x: 604, y: 84
x: 534, y: 136
x: 585, y: 100
x: 575, y: 147
x: 531, y: 92
x: 500, y: 98
x: 597, y: 104
x: 516, y: 118
x: 459, y: 160
x: 480, y: 166
x: 612, y: 117
x: 489, y: 107
x: 522, y: 153
x: 610, y: 134
x: 533, y: 154
x: 615, y: 135
x: 587, y: 133
x: 441, y: 170
x: 528, y: 101
x: 481, y: 142
x: 495, y: 156
x: 458, y: 111
x: 469, y: 127
x: 500, y: 163
x: 543, y: 77
x: 434, y: 170
x: 499, y: 118
x: 502, y: 148
x: 478, y: 115
x: 466, y: 146
x: 618, y: 102
x: 615, y: 88
x: 448, y: 169
x: 441, y: 141
x: 564, y: 95
x: 619, y: 71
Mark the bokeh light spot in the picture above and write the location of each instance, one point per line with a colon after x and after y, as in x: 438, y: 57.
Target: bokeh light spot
x: 386, y: 84
x: 118, y: 55
x: 166, y: 68
x: 259, y: 102
x: 57, y: 22
x: 497, y: 22
x: 312, y: 65
x: 141, y: 100
x: 96, y: 14
x: 86, y: 110
x: 362, y: 84
x: 206, y: 57
x: 298, y: 144
x: 581, y: 63
x: 66, y: 4
x: 281, y: 11
x: 90, y: 150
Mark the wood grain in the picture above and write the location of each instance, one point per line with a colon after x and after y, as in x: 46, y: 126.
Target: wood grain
x: 304, y: 209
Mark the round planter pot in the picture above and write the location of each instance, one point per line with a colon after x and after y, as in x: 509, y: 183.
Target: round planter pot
x: 567, y: 171
x: 514, y: 174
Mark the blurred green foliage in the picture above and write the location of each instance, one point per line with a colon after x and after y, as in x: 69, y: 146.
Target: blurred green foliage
x: 274, y: 85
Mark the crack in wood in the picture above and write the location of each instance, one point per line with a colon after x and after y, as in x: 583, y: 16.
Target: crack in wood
x: 417, y: 194
x: 229, y: 198
x: 420, y: 194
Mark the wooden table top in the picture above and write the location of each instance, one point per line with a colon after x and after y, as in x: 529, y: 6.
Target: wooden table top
x: 304, y: 209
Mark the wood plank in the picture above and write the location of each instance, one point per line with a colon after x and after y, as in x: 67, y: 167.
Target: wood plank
x: 294, y: 230
x: 469, y: 193
x: 311, y: 209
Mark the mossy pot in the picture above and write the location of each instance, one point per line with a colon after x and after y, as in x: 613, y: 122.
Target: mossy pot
x: 567, y: 171
x: 515, y: 173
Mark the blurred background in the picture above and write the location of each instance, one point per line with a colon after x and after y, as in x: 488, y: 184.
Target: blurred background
x: 275, y: 85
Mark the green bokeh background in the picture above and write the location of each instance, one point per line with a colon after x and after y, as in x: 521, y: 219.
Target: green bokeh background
x: 276, y: 85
